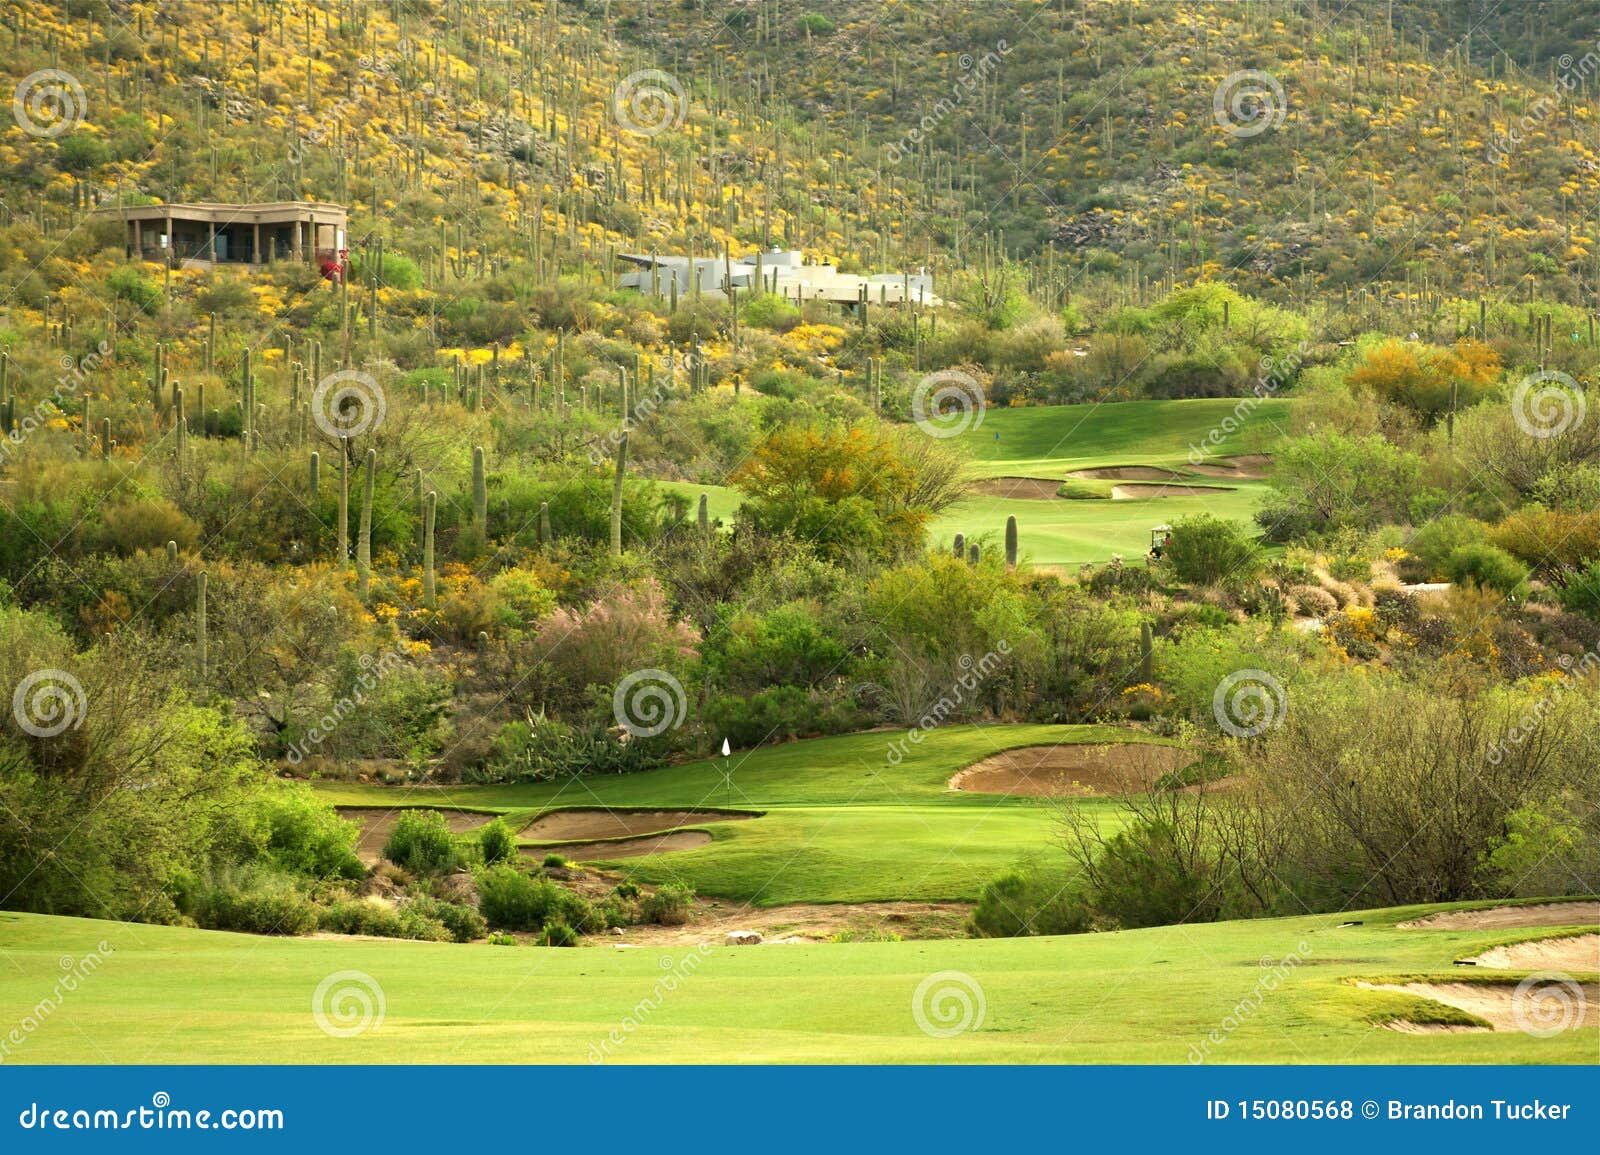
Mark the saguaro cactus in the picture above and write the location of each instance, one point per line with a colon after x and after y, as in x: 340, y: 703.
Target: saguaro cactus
x: 961, y: 545
x: 430, y: 505
x: 705, y: 516
x: 480, y: 493
x: 616, y: 495
x: 344, y: 500
x: 1147, y: 654
x: 202, y: 646
x: 1011, y: 543
x: 314, y: 475
x: 545, y: 536
x: 364, y: 532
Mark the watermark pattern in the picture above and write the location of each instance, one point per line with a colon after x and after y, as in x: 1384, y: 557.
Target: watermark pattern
x: 73, y: 973
x: 348, y: 403
x: 1547, y: 1003
x: 649, y: 702
x: 1548, y: 403
x: 48, y: 103
x: 373, y: 671
x: 678, y: 972
x: 1573, y: 77
x: 159, y: 1115
x: 649, y: 102
x: 974, y: 674
x: 947, y: 403
x: 49, y: 702
x: 948, y: 1003
x: 1248, y: 103
x: 347, y: 1004
x: 1249, y: 702
x: 974, y: 74
x: 74, y: 375
x: 1274, y: 972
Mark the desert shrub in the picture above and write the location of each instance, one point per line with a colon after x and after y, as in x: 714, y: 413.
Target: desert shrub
x: 305, y: 836
x: 1206, y: 550
x: 362, y: 916
x: 626, y: 890
x: 462, y: 922
x: 628, y: 630
x: 502, y: 940
x: 1580, y: 594
x: 1548, y: 848
x: 1350, y: 569
x: 558, y: 934
x: 543, y: 749
x: 512, y: 900
x: 1029, y: 901
x: 1548, y: 540
x: 668, y: 906
x: 496, y: 842
x: 255, y: 901
x: 1487, y: 567
x: 422, y: 843
x: 554, y: 861
x: 779, y: 714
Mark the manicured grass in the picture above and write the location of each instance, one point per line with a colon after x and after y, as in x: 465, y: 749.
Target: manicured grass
x: 861, y: 817
x: 170, y: 995
x: 1050, y: 440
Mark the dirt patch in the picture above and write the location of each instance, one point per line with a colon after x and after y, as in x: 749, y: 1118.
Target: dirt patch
x: 1499, y: 1004
x: 377, y: 824
x: 573, y: 825
x: 1126, y: 473
x: 1510, y: 917
x: 626, y: 848
x: 1578, y: 952
x: 802, y: 922
x: 1141, y: 491
x: 1072, y: 771
x: 1028, y: 488
x: 1247, y: 467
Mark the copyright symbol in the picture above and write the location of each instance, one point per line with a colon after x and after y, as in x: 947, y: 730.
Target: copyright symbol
x: 1369, y: 1110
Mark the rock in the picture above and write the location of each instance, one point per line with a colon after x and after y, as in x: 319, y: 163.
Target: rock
x: 741, y: 938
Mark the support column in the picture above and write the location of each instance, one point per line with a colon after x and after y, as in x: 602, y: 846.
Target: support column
x: 211, y: 241
x: 299, y: 241
x: 172, y: 242
x: 138, y: 240
x: 255, y: 244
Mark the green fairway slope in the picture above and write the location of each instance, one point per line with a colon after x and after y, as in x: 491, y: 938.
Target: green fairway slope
x: 856, y: 818
x: 1279, y: 990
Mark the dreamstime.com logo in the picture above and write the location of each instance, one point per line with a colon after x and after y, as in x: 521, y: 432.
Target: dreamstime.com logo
x: 348, y: 403
x: 49, y: 702
x: 1249, y: 702
x: 347, y: 1004
x: 1248, y: 103
x: 1548, y: 403
x: 48, y: 103
x: 649, y: 702
x: 947, y: 1004
x: 649, y: 102
x: 1547, y: 1003
x: 947, y: 403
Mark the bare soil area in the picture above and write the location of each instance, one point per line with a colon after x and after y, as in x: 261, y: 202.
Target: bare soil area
x: 1072, y: 771
x: 377, y: 824
x: 1511, y: 917
x: 801, y: 922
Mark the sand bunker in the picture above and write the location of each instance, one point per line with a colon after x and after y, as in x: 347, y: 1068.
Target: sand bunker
x: 1249, y: 466
x: 1499, y: 1005
x: 572, y: 825
x: 377, y: 824
x: 1028, y: 488
x: 1511, y: 917
x: 1139, y: 491
x: 1072, y: 771
x: 1578, y: 952
x: 1126, y: 473
x: 625, y: 848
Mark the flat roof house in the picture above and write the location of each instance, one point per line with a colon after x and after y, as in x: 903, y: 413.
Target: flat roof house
x: 205, y: 234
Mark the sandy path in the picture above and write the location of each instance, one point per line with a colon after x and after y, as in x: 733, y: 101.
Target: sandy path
x: 1511, y: 917
x: 1068, y: 771
x: 800, y: 922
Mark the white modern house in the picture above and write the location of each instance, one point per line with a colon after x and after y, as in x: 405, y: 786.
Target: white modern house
x: 784, y: 272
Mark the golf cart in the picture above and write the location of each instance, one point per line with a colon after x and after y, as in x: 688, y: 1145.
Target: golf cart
x: 1160, y: 538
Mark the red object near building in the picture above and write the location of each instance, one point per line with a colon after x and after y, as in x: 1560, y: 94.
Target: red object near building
x: 333, y: 265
